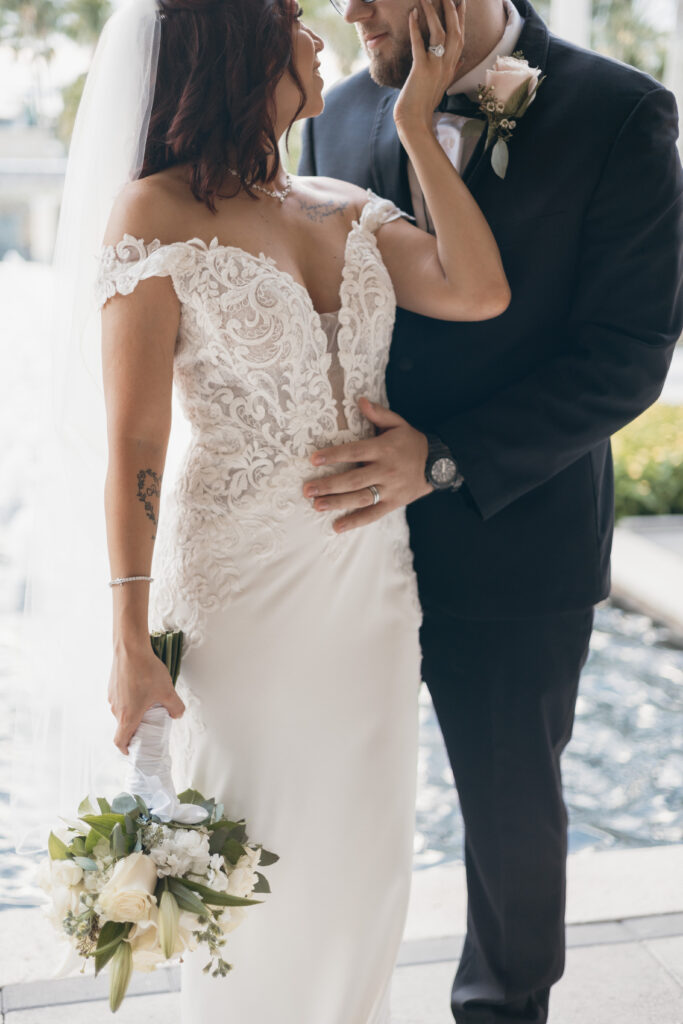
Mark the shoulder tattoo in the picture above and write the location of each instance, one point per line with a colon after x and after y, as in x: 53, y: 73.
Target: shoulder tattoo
x: 318, y: 211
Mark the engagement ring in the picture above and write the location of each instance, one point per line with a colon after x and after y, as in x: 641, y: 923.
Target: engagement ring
x: 438, y: 51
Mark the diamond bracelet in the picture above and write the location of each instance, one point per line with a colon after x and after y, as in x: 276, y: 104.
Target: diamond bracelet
x: 129, y: 579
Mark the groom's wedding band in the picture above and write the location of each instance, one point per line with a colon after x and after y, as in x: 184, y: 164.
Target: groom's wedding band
x: 438, y: 51
x: 375, y: 493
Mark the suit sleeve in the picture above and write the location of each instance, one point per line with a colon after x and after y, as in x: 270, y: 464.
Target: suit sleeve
x: 307, y: 159
x: 620, y: 335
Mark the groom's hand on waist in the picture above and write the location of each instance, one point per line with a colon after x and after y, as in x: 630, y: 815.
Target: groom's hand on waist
x: 390, y: 471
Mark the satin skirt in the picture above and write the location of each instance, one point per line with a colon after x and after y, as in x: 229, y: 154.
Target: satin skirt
x: 305, y: 709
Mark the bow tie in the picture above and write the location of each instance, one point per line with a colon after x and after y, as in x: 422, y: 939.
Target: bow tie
x: 460, y: 104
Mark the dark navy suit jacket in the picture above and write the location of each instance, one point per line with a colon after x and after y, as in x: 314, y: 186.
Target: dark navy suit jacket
x: 589, y: 221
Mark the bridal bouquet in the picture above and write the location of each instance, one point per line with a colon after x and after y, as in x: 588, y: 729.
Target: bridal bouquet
x: 132, y: 888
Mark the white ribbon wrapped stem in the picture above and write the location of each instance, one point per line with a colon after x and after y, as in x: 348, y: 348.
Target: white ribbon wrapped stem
x: 149, y: 769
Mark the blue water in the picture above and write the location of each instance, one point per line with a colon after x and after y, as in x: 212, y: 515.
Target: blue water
x: 623, y: 769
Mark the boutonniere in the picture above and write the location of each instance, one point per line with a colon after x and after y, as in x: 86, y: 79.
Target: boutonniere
x: 510, y: 87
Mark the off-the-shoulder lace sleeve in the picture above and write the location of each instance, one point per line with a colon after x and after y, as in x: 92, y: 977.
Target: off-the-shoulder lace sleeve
x: 121, y: 266
x: 378, y: 211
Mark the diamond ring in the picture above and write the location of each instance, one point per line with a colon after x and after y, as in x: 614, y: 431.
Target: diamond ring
x: 375, y: 493
x: 438, y: 51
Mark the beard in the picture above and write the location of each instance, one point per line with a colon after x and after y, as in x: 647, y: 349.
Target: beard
x: 394, y: 70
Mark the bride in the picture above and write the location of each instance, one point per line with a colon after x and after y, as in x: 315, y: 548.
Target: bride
x: 268, y: 302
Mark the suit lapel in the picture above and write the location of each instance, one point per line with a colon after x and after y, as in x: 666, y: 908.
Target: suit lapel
x: 389, y: 160
x: 534, y: 43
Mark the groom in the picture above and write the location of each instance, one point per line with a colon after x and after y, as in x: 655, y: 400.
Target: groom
x: 511, y: 419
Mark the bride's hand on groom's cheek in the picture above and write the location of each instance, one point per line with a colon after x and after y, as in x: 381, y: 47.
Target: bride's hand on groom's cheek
x: 393, y: 462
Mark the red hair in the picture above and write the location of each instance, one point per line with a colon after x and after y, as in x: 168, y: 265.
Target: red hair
x: 219, y: 64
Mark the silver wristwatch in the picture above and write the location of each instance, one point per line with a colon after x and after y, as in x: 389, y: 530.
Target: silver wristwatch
x: 441, y: 469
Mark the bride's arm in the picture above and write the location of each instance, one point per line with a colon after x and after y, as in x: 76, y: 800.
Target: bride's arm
x: 459, y: 274
x: 138, y: 340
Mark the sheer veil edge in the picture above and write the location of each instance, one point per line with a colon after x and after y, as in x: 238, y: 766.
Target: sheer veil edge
x: 62, y: 725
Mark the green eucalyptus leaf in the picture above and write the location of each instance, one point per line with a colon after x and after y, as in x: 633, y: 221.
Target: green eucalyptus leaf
x: 262, y: 884
x: 518, y: 99
x: 188, y: 900
x: 224, y: 823
x: 104, y: 823
x: 500, y: 157
x: 232, y: 850
x: 191, y: 796
x: 78, y: 847
x: 267, y: 858
x: 130, y: 823
x: 85, y: 807
x: 124, y: 803
x: 218, y: 838
x: 111, y: 934
x: 92, y: 839
x: 239, y: 833
x: 57, y: 849
x: 525, y: 106
x: 220, y: 899
x: 119, y: 845
x: 87, y: 863
x: 142, y: 806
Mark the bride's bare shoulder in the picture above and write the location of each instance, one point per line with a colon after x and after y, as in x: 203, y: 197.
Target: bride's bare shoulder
x: 148, y: 209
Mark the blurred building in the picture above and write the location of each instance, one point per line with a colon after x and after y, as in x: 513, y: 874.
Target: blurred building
x: 32, y: 165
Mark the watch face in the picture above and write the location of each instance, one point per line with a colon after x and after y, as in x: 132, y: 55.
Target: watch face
x: 443, y: 471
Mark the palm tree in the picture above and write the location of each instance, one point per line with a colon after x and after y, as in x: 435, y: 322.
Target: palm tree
x: 621, y: 29
x: 82, y: 21
x: 30, y: 27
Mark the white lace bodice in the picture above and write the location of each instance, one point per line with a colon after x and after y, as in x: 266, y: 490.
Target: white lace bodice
x: 262, y: 386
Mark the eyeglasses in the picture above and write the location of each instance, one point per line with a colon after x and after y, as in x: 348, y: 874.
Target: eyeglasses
x: 342, y: 6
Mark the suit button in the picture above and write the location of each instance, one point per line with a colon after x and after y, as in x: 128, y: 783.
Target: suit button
x: 406, y: 364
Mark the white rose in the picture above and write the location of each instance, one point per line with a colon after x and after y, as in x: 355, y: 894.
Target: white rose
x: 66, y: 872
x: 64, y: 898
x: 508, y: 74
x: 128, y: 895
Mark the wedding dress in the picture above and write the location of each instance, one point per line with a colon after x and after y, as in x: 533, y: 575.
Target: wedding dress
x: 302, y: 665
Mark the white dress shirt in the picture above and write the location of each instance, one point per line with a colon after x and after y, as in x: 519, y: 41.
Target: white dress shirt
x: 448, y: 127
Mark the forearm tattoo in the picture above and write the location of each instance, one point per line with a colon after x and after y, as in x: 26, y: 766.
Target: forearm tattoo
x: 149, y: 493
x: 319, y: 211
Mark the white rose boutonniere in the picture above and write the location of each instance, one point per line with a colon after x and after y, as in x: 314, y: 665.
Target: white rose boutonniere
x: 510, y: 87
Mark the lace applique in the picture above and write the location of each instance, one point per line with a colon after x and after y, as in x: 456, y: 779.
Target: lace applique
x: 252, y: 375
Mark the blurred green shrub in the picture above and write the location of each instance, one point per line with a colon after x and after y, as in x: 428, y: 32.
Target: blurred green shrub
x: 648, y: 463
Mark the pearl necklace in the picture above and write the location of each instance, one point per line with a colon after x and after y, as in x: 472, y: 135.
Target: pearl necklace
x: 273, y: 193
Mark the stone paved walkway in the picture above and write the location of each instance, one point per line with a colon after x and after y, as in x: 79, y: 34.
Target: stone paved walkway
x: 624, y: 961
x: 618, y: 972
